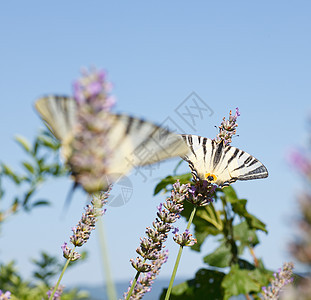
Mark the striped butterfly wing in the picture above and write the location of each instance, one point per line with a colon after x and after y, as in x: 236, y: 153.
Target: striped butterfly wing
x: 58, y: 113
x: 227, y: 163
x: 133, y: 142
x: 136, y: 142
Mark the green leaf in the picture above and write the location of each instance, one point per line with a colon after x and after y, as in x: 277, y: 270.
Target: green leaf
x: 244, y: 264
x: 245, y: 235
x: 206, y: 222
x: 238, y: 282
x: 27, y: 197
x: 210, y: 215
x: 202, y: 227
x: 239, y: 207
x: 221, y: 257
x: 5, y: 169
x: 255, y: 223
x: 230, y: 194
x: 29, y: 167
x: 205, y: 285
x: 23, y: 143
x: 170, y: 180
x: 48, y: 142
x: 40, y: 203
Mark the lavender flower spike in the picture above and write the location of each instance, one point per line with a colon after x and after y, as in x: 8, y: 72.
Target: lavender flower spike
x: 227, y: 128
x: 68, y: 253
x: 89, y: 152
x: 151, y: 246
x: 185, y: 239
x: 201, y: 193
x: 94, y: 89
x: 57, y: 294
x: 282, y: 278
x: 82, y: 231
x: 5, y: 296
x: 145, y: 280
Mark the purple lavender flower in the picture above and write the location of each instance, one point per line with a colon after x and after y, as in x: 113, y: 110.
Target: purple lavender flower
x: 68, y: 253
x: 89, y: 152
x: 282, y: 278
x: 93, y: 89
x: 227, y: 128
x: 185, y: 239
x: 5, y: 296
x: 201, y: 193
x: 151, y: 246
x: 57, y: 294
x: 175, y: 230
x: 82, y: 231
x: 145, y: 280
x: 300, y: 161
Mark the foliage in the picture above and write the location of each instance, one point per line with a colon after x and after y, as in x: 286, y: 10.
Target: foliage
x: 42, y: 162
x: 46, y: 268
x: 228, y: 219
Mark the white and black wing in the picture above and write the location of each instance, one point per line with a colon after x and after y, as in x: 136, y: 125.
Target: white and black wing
x: 225, y: 164
x: 136, y: 142
x: 58, y: 113
x: 132, y: 141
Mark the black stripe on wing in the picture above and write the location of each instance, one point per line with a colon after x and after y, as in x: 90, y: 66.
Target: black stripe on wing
x: 218, y: 154
x: 204, y: 147
x: 249, y: 166
x: 189, y: 141
x: 260, y: 172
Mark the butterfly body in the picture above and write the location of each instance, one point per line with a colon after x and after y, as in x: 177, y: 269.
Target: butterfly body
x: 219, y: 163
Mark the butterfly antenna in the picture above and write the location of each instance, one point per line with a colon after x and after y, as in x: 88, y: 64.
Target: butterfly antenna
x: 69, y: 199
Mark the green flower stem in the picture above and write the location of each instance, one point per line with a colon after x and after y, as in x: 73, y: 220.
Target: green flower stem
x: 61, y: 275
x: 111, y: 290
x: 132, y: 286
x: 168, y: 293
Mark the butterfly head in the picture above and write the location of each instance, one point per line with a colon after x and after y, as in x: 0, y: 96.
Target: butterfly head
x: 210, y: 177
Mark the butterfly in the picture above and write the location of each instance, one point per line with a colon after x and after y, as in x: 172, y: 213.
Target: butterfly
x: 133, y: 142
x: 219, y: 163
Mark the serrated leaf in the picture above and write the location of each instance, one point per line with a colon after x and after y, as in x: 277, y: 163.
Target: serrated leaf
x: 238, y: 282
x: 205, y: 285
x: 220, y: 257
x: 169, y: 180
x: 23, y: 143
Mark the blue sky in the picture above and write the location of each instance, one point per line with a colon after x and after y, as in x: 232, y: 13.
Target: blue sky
x: 254, y: 55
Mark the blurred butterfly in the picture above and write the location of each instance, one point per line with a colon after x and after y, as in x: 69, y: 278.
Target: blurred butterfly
x: 133, y: 142
x: 220, y: 163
